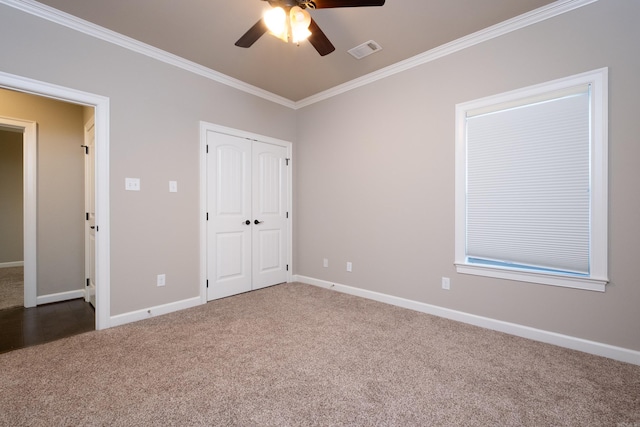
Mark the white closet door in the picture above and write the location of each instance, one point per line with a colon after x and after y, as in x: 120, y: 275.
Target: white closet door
x: 269, y: 215
x: 229, y: 209
x: 247, y: 196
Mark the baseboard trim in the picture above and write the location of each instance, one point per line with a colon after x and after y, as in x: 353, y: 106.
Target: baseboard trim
x: 60, y: 296
x: 566, y: 341
x: 12, y: 264
x: 158, y: 310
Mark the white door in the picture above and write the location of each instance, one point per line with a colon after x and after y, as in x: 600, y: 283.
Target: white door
x: 269, y: 205
x: 90, y: 213
x: 247, y: 242
x: 229, y: 215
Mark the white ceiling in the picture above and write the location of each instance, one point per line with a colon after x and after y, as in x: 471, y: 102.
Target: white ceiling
x: 204, y: 32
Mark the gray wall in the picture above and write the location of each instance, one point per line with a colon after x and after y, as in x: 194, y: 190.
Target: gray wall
x: 377, y: 186
x: 155, y: 110
x: 11, y: 239
x: 60, y: 181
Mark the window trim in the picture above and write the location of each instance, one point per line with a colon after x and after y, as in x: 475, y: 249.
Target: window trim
x: 598, y: 257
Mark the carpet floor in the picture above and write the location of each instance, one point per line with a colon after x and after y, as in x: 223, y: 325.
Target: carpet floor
x: 298, y: 355
x: 11, y: 287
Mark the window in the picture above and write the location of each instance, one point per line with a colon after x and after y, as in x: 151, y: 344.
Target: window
x: 531, y: 184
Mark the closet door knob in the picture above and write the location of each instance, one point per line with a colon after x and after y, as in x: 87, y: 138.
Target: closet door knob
x: 247, y: 222
x: 256, y: 222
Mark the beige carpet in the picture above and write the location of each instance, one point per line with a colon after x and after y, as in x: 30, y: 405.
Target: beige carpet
x: 11, y: 287
x: 297, y: 355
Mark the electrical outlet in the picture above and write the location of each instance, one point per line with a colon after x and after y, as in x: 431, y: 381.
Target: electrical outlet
x: 161, y: 281
x: 446, y: 283
x: 325, y: 263
x: 349, y: 267
x: 132, y: 184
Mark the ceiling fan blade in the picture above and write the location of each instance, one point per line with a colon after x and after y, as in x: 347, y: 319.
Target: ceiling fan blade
x: 254, y: 33
x: 325, y: 4
x: 319, y: 40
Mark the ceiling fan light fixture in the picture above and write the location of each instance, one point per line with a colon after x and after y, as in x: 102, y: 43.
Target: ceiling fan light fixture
x: 299, y: 20
x: 276, y: 21
x: 289, y: 19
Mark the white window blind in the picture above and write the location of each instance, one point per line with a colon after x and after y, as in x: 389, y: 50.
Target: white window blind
x: 531, y: 184
x: 528, y: 183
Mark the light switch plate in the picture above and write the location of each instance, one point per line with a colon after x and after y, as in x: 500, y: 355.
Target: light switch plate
x: 173, y: 186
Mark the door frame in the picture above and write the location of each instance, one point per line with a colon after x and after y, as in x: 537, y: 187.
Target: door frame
x: 204, y: 128
x: 29, y: 131
x: 101, y: 108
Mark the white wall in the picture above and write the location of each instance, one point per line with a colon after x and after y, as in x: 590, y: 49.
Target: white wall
x: 376, y: 187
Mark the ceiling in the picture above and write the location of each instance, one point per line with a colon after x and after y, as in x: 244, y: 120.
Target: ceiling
x: 204, y: 32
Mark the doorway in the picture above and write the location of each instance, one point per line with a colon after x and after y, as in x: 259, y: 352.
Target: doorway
x: 52, y: 194
x: 26, y: 317
x: 246, y: 182
x: 101, y: 108
x: 11, y: 219
x: 19, y: 208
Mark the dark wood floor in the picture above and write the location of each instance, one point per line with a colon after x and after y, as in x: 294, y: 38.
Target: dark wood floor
x: 23, y: 327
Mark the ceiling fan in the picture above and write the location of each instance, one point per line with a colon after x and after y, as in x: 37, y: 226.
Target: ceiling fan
x: 299, y: 24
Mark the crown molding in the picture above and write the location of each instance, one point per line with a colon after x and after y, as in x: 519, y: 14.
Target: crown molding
x: 538, y: 15
x: 46, y: 12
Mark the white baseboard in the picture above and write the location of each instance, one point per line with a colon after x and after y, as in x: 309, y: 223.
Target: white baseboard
x: 158, y: 310
x: 574, y: 343
x: 12, y: 264
x: 61, y: 296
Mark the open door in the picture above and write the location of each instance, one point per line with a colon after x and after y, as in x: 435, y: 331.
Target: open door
x: 90, y: 213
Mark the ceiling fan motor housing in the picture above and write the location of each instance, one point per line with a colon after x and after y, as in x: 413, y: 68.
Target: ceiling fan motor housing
x: 290, y: 3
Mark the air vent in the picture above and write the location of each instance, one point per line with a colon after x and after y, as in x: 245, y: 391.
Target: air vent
x: 365, y: 49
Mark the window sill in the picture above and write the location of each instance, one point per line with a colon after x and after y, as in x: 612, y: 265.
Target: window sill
x: 587, y: 283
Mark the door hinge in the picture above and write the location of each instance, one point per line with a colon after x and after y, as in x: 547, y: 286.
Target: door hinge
x: 287, y: 161
x: 287, y: 214
x: 207, y: 216
x: 86, y: 215
x: 87, y: 281
x: 86, y: 149
x: 287, y: 267
x: 207, y: 149
x: 96, y: 228
x: 207, y: 284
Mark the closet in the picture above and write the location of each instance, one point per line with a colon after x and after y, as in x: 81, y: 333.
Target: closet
x: 247, y: 217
